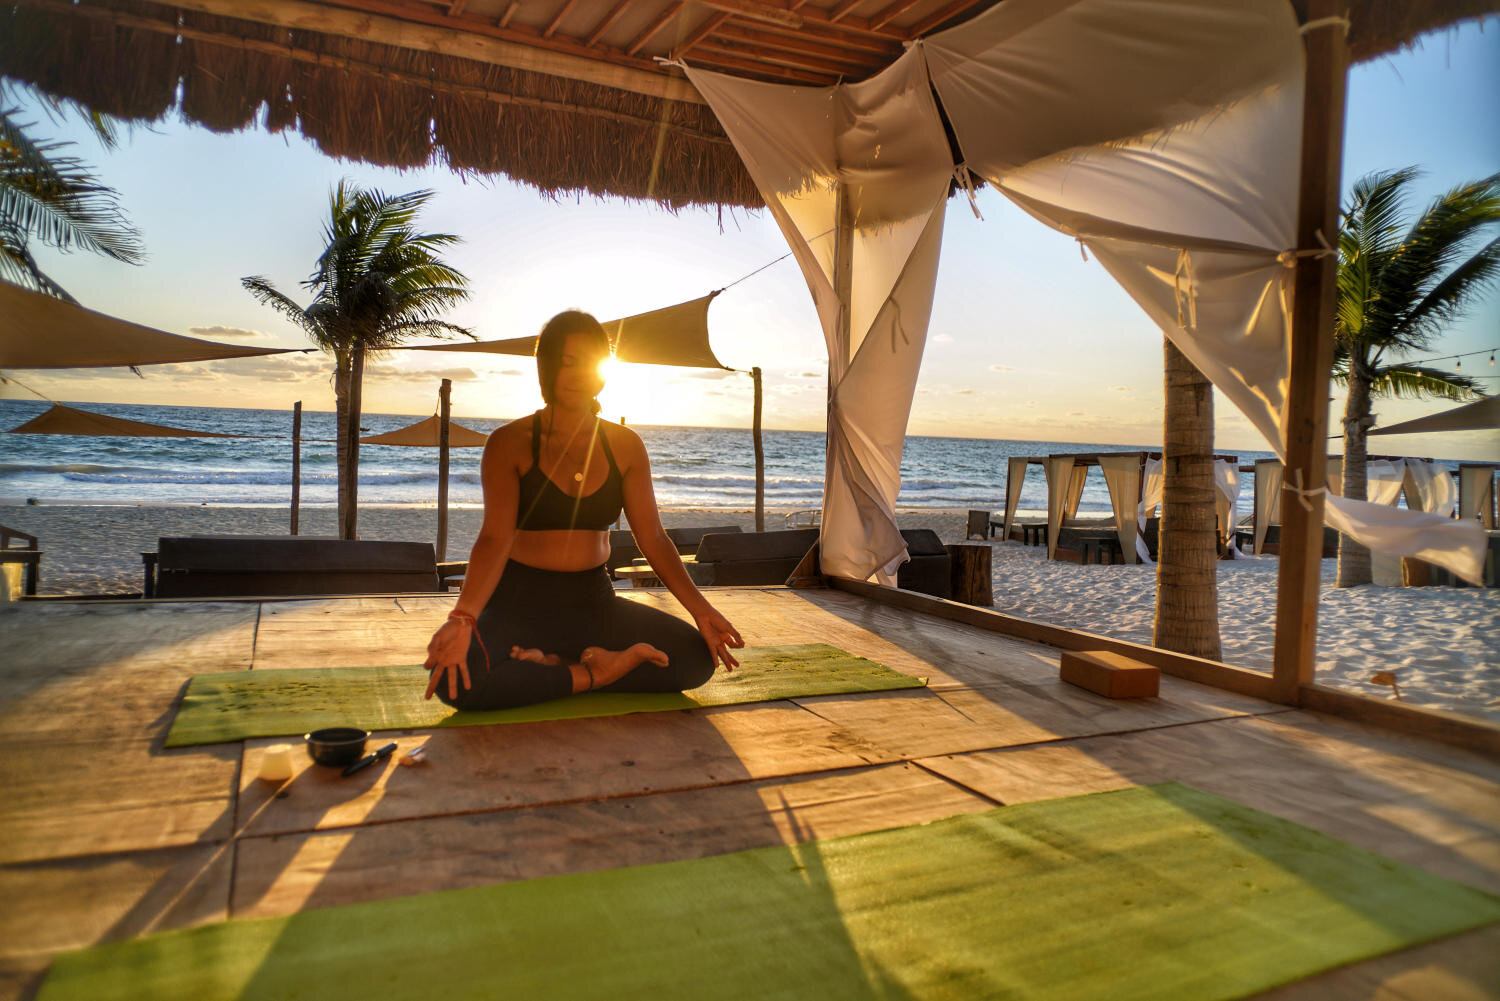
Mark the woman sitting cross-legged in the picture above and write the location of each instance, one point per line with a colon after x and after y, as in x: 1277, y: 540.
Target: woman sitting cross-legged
x: 538, y: 617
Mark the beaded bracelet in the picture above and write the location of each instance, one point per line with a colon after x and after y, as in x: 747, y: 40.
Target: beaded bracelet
x: 583, y: 662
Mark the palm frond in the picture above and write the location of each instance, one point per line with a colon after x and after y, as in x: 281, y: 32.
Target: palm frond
x: 1416, y: 381
x: 58, y: 200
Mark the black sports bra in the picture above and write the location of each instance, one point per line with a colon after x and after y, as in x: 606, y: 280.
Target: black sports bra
x: 544, y: 506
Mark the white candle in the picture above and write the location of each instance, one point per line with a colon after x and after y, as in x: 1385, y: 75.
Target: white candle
x: 276, y: 763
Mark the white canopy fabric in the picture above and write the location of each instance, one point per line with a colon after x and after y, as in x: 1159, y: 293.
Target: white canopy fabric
x: 1481, y: 416
x: 873, y: 154
x: 1435, y: 489
x: 1162, y: 134
x: 1015, y: 478
x: 1060, y: 473
x: 1153, y: 479
x: 1226, y: 495
x: 38, y: 331
x: 1268, y: 476
x: 1476, y: 492
x: 1123, y: 475
x: 1384, y: 479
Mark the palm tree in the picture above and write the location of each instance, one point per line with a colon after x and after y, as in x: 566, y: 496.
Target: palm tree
x: 1396, y: 291
x: 57, y: 201
x: 1187, y: 610
x: 377, y: 283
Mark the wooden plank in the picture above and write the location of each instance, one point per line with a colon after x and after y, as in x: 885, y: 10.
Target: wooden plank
x: 433, y: 31
x: 1417, y: 802
x: 483, y: 768
x: 86, y: 694
x: 349, y: 632
x: 757, y: 10
x: 73, y: 903
x: 329, y: 868
x: 607, y: 22
x: 1198, y: 669
x: 1313, y: 294
x: 1463, y: 967
x: 1436, y: 724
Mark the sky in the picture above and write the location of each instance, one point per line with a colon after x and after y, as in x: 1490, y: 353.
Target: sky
x: 1027, y: 340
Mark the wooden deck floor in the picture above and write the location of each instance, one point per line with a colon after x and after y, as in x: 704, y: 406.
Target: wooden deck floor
x: 104, y: 835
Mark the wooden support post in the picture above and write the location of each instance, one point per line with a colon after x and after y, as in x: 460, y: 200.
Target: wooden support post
x: 760, y: 458
x: 843, y: 285
x: 445, y: 392
x: 1311, y: 354
x: 296, y: 463
x: 969, y: 573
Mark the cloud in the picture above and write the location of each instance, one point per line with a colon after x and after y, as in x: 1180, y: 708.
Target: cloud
x: 384, y: 372
x: 1119, y: 389
x: 218, y: 332
x: 1002, y: 368
x: 963, y: 392
x: 943, y: 339
x: 1077, y: 413
x: 711, y: 373
x: 1031, y: 403
x: 806, y: 375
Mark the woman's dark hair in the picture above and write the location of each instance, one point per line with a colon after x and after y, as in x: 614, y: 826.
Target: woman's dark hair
x: 554, y: 337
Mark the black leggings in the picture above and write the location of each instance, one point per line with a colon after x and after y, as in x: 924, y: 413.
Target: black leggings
x: 564, y: 613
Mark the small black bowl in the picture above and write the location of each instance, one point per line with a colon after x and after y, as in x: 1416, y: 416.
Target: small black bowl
x: 336, y: 745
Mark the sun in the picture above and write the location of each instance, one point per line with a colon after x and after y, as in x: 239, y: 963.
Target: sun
x: 630, y: 393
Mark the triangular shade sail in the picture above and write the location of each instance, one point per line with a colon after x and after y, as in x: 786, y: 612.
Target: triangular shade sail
x: 63, y: 419
x: 1481, y: 416
x: 38, y: 331
x: 424, y: 434
x: 674, y: 335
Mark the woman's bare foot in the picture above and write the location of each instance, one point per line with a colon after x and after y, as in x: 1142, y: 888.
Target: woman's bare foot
x: 609, y: 666
x: 535, y: 656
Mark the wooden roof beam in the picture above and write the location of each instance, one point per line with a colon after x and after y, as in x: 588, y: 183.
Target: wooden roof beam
x: 890, y: 13
x: 710, y: 24
x: 842, y: 10
x: 477, y: 40
x: 457, y: 7
x: 803, y: 45
x: 510, y: 12
x: 757, y: 10
x: 607, y: 23
x: 567, y: 8
x: 784, y: 74
x: 871, y: 49
x: 795, y: 61
x: 648, y: 32
x: 938, y: 17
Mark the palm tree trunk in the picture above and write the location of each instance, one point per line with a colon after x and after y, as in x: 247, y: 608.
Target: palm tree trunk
x: 349, y: 479
x: 1354, y: 559
x: 1187, y: 612
x: 341, y: 373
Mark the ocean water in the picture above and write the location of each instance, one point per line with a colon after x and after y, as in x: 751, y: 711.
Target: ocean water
x: 691, y: 467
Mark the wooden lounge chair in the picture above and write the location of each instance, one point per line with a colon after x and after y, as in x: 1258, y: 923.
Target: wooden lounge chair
x: 227, y: 566
x: 765, y: 558
x: 623, y: 552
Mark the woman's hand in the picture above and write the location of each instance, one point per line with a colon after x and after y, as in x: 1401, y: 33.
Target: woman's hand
x: 720, y: 635
x: 448, y: 655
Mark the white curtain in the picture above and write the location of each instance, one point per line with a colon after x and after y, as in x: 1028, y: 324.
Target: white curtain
x: 1075, y: 492
x: 1152, y: 481
x: 1436, y: 491
x: 1383, y: 480
x: 1268, y: 475
x: 1163, y: 135
x: 874, y: 155
x: 1122, y: 474
x: 1476, y: 491
x: 1015, y: 478
x: 1059, y: 480
x: 1226, y: 495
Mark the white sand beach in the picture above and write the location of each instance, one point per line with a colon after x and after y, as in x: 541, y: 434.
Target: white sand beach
x: 1442, y: 642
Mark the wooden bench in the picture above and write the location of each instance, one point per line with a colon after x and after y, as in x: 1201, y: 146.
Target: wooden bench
x: 209, y: 567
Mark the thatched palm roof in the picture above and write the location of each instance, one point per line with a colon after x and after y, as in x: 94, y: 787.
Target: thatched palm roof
x: 564, y: 95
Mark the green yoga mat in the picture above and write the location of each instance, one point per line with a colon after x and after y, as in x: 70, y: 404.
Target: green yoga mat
x: 1145, y: 893
x: 237, y: 704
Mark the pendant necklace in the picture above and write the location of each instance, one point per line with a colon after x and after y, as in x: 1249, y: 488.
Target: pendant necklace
x: 578, y: 476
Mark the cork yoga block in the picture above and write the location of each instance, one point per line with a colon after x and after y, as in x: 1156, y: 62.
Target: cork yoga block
x: 1112, y: 675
